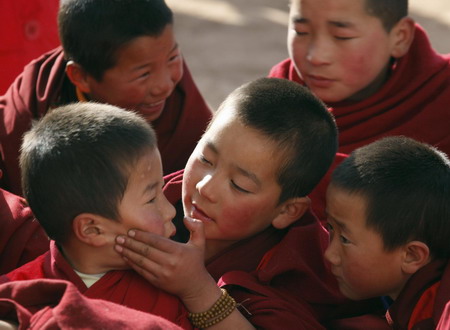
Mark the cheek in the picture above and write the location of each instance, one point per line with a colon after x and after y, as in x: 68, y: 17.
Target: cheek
x: 360, y: 69
x: 177, y: 72
x: 297, y: 52
x: 242, y: 217
x: 358, y: 274
x: 152, y: 223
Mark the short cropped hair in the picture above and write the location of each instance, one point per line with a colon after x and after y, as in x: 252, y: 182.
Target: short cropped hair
x: 290, y: 115
x: 406, y: 186
x: 390, y: 12
x: 77, y: 159
x: 92, y: 31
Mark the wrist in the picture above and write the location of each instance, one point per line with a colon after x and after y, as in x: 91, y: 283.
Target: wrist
x: 221, y: 309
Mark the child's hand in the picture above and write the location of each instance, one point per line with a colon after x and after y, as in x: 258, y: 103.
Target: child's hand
x: 174, y: 267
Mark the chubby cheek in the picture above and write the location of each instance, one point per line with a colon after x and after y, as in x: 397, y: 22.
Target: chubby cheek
x: 177, y: 72
x: 359, y: 70
x: 242, y: 220
x: 297, y: 53
x: 356, y: 280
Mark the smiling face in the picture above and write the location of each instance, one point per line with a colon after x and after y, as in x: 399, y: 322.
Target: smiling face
x: 362, y: 267
x: 339, y: 50
x: 146, y: 72
x: 230, y: 182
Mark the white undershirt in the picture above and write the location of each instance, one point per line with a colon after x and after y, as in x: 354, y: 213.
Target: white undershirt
x: 89, y: 279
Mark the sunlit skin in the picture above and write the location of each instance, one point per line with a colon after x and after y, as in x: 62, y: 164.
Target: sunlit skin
x: 144, y: 76
x: 230, y: 182
x: 144, y: 206
x: 339, y: 50
x: 363, y: 268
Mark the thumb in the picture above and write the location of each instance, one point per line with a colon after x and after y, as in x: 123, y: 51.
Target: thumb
x: 197, y: 231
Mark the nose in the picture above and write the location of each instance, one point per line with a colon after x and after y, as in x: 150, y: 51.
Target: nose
x: 168, y: 210
x: 318, y: 52
x: 162, y: 83
x: 331, y: 253
x: 205, y: 187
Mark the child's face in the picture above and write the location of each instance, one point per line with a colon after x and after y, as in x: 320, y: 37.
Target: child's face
x: 144, y: 206
x: 146, y: 73
x: 230, y: 182
x: 362, y: 267
x: 340, y: 51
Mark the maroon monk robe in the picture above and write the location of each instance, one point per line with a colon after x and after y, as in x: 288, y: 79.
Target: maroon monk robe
x: 43, y: 84
x: 414, y: 101
x: 422, y: 301
x: 124, y: 287
x: 21, y: 237
x: 288, y: 263
x: 56, y: 304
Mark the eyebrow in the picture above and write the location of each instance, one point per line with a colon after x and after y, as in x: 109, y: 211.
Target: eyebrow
x: 252, y: 176
x: 339, y: 223
x: 150, y: 187
x: 340, y: 24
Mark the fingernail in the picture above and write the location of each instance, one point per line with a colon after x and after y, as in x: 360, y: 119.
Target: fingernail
x: 120, y: 239
x: 118, y: 248
x: 131, y: 233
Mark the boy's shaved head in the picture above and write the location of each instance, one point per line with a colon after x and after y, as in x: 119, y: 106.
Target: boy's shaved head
x: 388, y: 11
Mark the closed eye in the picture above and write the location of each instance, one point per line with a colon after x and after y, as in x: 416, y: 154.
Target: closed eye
x: 204, y: 160
x: 235, y: 186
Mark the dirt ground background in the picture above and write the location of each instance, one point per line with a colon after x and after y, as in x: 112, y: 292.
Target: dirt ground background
x: 229, y: 42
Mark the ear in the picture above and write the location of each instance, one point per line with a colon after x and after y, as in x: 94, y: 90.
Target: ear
x: 416, y: 255
x: 91, y: 229
x: 291, y: 210
x: 78, y: 76
x: 402, y: 35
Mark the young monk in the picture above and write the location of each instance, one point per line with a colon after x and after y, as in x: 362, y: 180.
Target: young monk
x: 388, y: 209
x: 374, y: 68
x: 122, y: 53
x: 90, y: 172
x: 246, y: 184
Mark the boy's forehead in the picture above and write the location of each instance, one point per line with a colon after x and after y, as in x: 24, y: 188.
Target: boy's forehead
x: 347, y: 8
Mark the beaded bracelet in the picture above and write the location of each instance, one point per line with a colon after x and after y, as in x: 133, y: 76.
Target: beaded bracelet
x: 223, y: 307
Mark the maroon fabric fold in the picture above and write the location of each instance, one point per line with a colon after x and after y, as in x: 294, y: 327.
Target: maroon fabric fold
x: 124, y: 287
x: 400, y: 312
x: 414, y: 101
x: 21, y: 237
x: 40, y: 87
x: 57, y: 304
x: 444, y: 323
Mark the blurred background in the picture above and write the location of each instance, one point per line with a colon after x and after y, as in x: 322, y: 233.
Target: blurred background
x: 229, y: 42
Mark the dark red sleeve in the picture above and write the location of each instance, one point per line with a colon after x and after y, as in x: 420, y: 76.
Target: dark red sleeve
x: 21, y: 237
x: 268, y: 308
x: 57, y: 304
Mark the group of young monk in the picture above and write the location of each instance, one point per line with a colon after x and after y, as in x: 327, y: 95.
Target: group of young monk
x: 315, y: 198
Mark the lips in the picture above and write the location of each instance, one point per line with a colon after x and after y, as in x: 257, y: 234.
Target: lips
x: 318, y: 81
x: 152, y: 109
x: 197, y: 213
